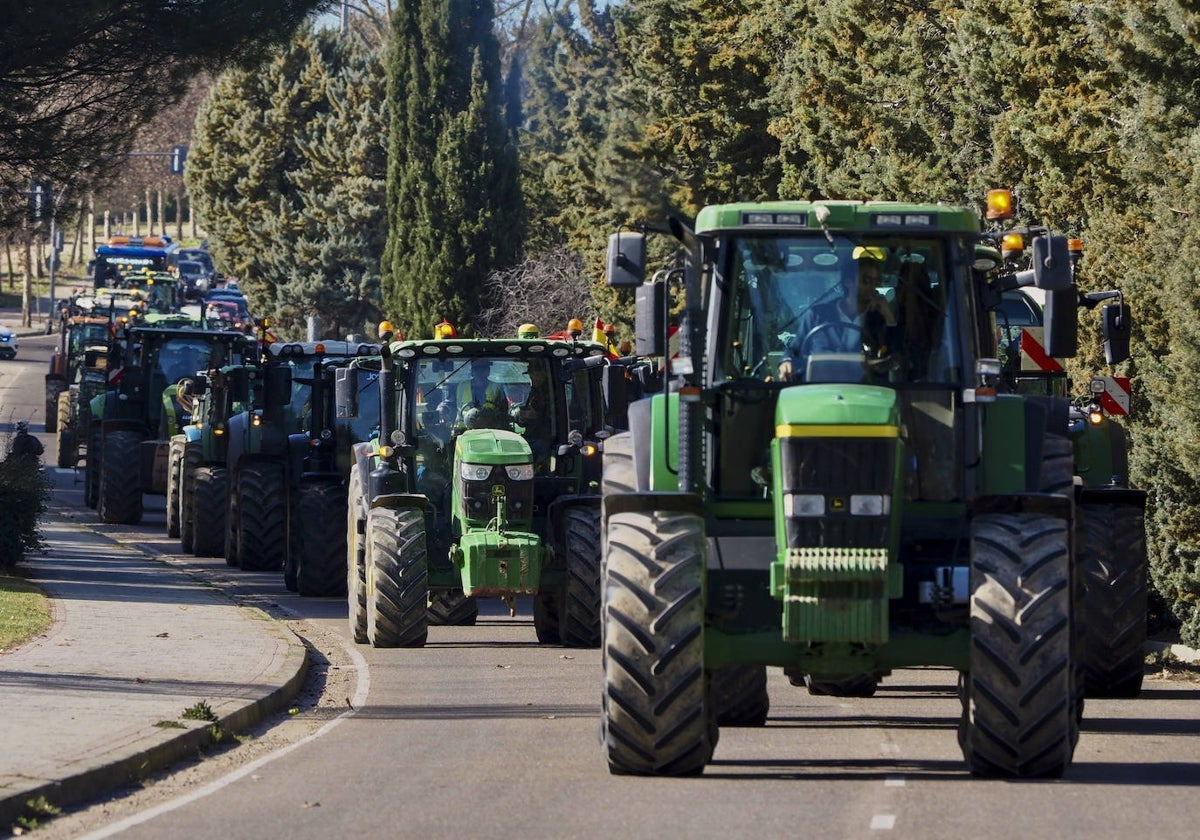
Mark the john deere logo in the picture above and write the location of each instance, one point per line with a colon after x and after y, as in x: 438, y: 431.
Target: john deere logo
x: 837, y: 505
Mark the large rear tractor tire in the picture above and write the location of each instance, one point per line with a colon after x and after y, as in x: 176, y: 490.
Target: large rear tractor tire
x: 356, y: 571
x: 174, y: 477
x: 209, y: 489
x: 738, y: 695
x: 262, y: 516
x: 397, y: 578
x: 655, y: 718
x: 320, y: 546
x: 1114, y: 557
x: 1019, y: 711
x: 579, y: 612
x: 187, y: 495
x: 66, y: 438
x: 120, y: 498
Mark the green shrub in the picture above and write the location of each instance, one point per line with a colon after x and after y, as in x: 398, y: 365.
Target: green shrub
x: 23, y: 495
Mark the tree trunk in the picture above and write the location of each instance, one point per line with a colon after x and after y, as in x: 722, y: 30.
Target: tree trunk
x: 77, y: 243
x: 107, y: 225
x: 179, y: 216
x: 27, y: 284
x: 162, y: 217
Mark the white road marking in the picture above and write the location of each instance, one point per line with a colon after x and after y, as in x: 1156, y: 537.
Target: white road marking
x: 360, y: 699
x: 894, y: 781
x: 883, y: 822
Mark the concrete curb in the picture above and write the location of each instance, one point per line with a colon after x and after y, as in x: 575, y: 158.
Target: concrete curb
x: 1181, y: 652
x: 158, y: 748
x: 165, y: 749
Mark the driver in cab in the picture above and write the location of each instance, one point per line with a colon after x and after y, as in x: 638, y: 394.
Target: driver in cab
x: 852, y: 323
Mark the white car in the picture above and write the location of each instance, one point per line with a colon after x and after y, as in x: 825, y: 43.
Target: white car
x: 8, y: 343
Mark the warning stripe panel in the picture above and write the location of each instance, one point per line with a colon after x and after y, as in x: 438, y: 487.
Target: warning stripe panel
x: 1033, y: 351
x: 1115, y: 399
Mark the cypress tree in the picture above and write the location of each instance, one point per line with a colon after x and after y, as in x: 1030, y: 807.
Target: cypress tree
x: 454, y: 205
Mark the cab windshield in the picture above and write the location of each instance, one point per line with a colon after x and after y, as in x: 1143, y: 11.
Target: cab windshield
x: 854, y: 310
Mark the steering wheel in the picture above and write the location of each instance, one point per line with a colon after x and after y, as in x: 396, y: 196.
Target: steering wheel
x: 851, y: 330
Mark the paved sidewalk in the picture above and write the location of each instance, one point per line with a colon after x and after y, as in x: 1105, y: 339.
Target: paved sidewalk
x: 133, y: 645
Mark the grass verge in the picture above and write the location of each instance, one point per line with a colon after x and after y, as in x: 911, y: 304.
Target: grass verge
x: 24, y: 611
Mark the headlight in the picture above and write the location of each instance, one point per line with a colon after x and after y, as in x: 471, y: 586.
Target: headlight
x: 519, y: 472
x: 803, y: 505
x: 869, y: 505
x: 474, y: 472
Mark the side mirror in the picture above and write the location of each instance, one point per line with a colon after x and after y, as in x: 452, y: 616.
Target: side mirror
x: 616, y: 395
x: 650, y: 319
x: 345, y: 392
x: 625, y: 264
x: 1051, y: 263
x: 1115, y: 324
x: 1060, y: 319
x: 237, y: 384
x: 277, y: 385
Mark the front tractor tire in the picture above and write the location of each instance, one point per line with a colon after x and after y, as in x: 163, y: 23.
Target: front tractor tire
x: 174, y: 479
x: 261, y: 516
x: 451, y: 608
x: 356, y: 563
x: 579, y: 612
x: 397, y: 578
x: 655, y: 717
x: 65, y: 433
x: 738, y: 695
x: 120, y: 497
x: 1019, y: 711
x: 320, y: 545
x: 1113, y: 552
x: 209, y: 489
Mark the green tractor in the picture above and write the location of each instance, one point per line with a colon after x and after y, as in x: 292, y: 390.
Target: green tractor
x: 197, y: 494
x: 282, y: 468
x: 481, y: 481
x: 318, y: 463
x: 135, y: 419
x: 1110, y: 514
x: 830, y: 482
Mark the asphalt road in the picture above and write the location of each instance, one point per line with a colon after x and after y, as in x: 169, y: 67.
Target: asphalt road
x: 483, y: 733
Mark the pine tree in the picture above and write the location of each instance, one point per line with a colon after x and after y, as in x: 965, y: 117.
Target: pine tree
x: 454, y: 204
x: 286, y: 174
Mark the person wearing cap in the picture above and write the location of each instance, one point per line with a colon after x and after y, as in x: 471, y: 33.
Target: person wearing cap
x: 25, y: 445
x: 853, y: 321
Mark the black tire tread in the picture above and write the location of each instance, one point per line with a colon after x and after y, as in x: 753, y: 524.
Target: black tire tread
x: 262, y: 516
x: 1115, y: 565
x: 321, y: 544
x: 655, y: 718
x: 396, y: 555
x: 579, y: 612
x: 1019, y: 719
x: 120, y: 498
x: 209, y: 490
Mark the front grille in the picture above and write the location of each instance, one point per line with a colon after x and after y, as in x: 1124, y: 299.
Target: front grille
x: 836, y: 469
x: 481, y: 505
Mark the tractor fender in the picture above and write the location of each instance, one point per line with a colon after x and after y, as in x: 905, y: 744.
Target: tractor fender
x: 640, y: 431
x: 398, y: 501
x: 1111, y: 495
